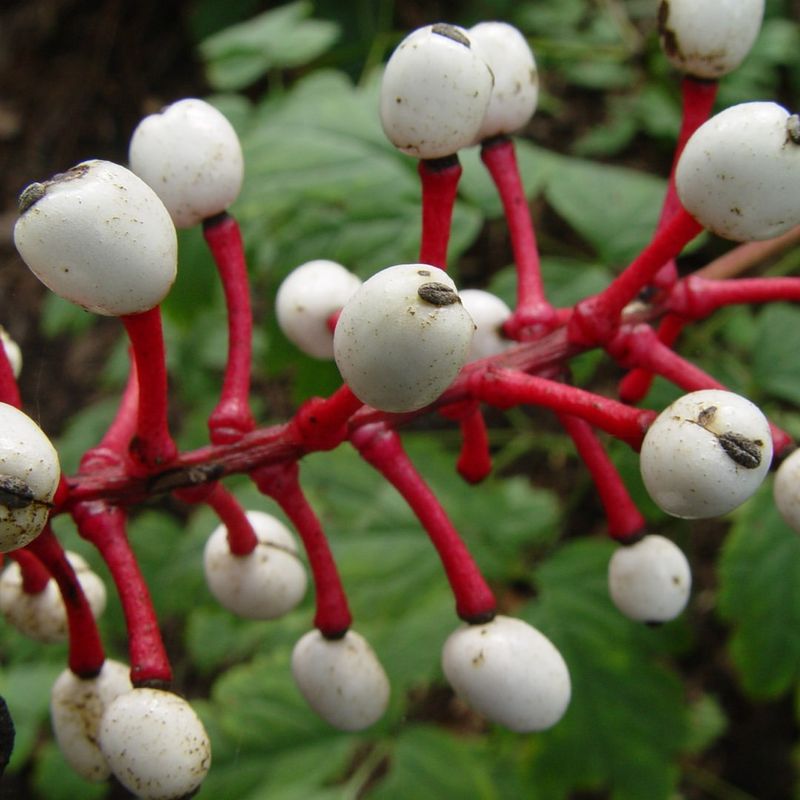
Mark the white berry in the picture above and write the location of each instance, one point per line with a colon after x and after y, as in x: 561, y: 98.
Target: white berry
x: 706, y: 454
x: 650, y: 581
x: 435, y: 92
x: 509, y: 672
x: 13, y: 353
x: 402, y: 337
x: 739, y: 172
x: 341, y: 679
x: 155, y: 744
x: 29, y: 475
x: 100, y: 237
x: 76, y: 707
x: 43, y: 616
x: 488, y: 312
x: 786, y: 490
x: 516, y: 80
x: 265, y: 584
x: 307, y: 298
x: 190, y: 155
x: 708, y: 38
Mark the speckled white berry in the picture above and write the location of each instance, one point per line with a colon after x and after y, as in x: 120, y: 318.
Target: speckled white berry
x: 13, y: 353
x: 265, y: 584
x: 402, y: 337
x: 650, y: 581
x: 190, y: 154
x: 98, y: 236
x: 307, y: 298
x: 488, y: 312
x: 509, y: 672
x: 42, y: 616
x: 516, y: 80
x: 435, y: 92
x: 76, y: 706
x: 706, y: 454
x: 786, y: 490
x: 739, y: 172
x: 155, y: 744
x: 341, y: 679
x: 708, y: 38
x: 29, y: 475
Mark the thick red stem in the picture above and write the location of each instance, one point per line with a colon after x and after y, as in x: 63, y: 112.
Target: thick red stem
x: 474, y: 461
x: 232, y: 416
x: 104, y: 527
x: 695, y: 297
x: 321, y: 422
x: 242, y: 539
x: 439, y: 185
x: 9, y: 390
x: 34, y: 574
x: 382, y: 448
x: 281, y: 483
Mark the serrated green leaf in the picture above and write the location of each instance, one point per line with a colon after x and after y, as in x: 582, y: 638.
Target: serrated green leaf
x: 759, y: 593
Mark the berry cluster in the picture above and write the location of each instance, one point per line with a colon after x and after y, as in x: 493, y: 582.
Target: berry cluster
x: 406, y: 343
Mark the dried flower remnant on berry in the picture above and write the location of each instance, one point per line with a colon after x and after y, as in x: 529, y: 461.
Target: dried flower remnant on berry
x: 438, y: 294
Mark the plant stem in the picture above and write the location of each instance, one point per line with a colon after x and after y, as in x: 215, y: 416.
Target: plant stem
x: 695, y: 297
x: 474, y: 461
x: 242, y: 539
x: 9, y: 390
x: 34, y: 574
x: 439, y: 179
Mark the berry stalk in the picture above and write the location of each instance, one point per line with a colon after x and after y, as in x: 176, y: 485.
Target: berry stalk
x: 9, y: 390
x: 439, y: 179
x: 34, y: 574
x: 696, y: 297
x: 242, y: 539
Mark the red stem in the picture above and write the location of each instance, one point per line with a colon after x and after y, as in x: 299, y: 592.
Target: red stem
x: 281, y: 483
x: 9, y: 390
x: 696, y: 297
x: 34, y: 574
x: 625, y: 521
x: 232, y: 416
x: 242, y: 539
x: 152, y: 446
x: 104, y: 527
x: 533, y: 314
x: 474, y: 462
x: 320, y: 423
x: 439, y: 185
x: 382, y: 448
x: 86, y: 654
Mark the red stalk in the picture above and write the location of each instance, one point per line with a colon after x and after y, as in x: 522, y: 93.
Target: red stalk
x: 9, y: 390
x: 474, y: 461
x: 696, y: 297
x: 534, y: 314
x: 34, y: 574
x: 152, y: 446
x: 242, y: 539
x: 104, y: 527
x: 381, y: 447
x: 232, y: 416
x: 86, y: 654
x: 320, y: 423
x: 281, y: 483
x: 439, y: 185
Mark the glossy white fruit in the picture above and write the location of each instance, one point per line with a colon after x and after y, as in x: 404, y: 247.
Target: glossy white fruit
x: 488, y: 312
x: 155, y: 744
x: 267, y: 583
x: 397, y: 350
x: 42, y: 616
x: 435, y: 92
x: 341, y: 679
x: 516, y: 80
x: 306, y: 299
x: 76, y: 707
x: 650, y: 580
x: 786, y: 490
x: 98, y: 236
x: 509, y: 672
x: 29, y: 475
x: 739, y: 172
x: 13, y: 353
x: 708, y: 38
x: 190, y: 154
x: 706, y: 454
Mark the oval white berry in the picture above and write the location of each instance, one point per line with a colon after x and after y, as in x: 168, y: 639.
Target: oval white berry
x: 509, y: 672
x: 706, y: 454
x: 76, y: 707
x: 42, y: 616
x: 435, y: 92
x: 402, y: 337
x: 739, y: 172
x: 13, y: 353
x: 650, y: 581
x: 708, y: 38
x: 786, y: 490
x: 98, y: 236
x: 307, y: 298
x: 488, y: 312
x: 341, y: 679
x: 190, y: 154
x: 29, y: 475
x: 265, y: 584
x: 516, y: 80
x: 155, y: 744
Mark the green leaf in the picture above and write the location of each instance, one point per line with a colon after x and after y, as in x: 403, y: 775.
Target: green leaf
x: 776, y: 369
x: 759, y: 594
x: 54, y: 779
